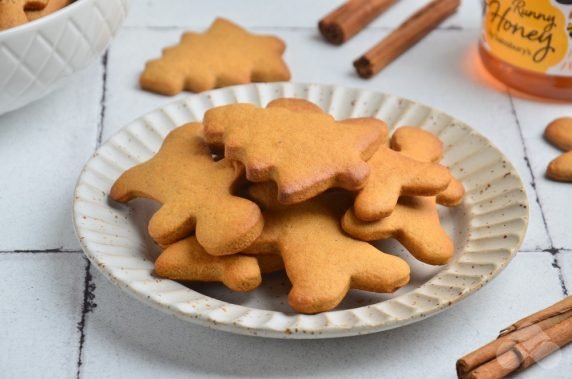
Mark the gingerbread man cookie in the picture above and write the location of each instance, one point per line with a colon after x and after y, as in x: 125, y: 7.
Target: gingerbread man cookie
x: 320, y: 260
x: 224, y: 55
x: 430, y: 149
x: 392, y: 175
x: 195, y: 193
x: 559, y: 133
x: 295, y: 144
x: 187, y: 260
x: 415, y: 221
x: 561, y: 168
x: 418, y: 144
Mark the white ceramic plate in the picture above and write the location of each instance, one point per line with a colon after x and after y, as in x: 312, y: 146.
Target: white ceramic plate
x: 488, y: 227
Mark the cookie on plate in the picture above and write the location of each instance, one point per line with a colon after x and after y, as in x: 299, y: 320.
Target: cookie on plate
x: 415, y: 221
x: 295, y: 144
x: 186, y: 260
x: 196, y: 194
x: 421, y: 145
x: 393, y: 174
x: 321, y: 261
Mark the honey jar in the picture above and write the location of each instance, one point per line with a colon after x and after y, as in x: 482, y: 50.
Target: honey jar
x: 527, y: 44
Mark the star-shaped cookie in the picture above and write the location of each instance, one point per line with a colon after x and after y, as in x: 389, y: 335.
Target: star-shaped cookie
x: 321, y: 261
x: 195, y: 193
x: 224, y: 55
x: 295, y: 144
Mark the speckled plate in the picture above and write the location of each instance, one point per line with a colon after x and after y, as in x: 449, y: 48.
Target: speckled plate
x: 488, y: 227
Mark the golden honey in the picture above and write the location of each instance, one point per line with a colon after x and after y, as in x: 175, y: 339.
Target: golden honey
x: 527, y: 44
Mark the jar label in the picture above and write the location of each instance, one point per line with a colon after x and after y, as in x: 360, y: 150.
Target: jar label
x: 535, y: 35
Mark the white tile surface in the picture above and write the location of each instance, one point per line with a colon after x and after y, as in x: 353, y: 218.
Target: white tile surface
x: 293, y: 13
x: 42, y: 150
x: 449, y: 68
x: 533, y: 117
x: 42, y: 296
x: 125, y: 101
x: 127, y: 339
x: 565, y: 262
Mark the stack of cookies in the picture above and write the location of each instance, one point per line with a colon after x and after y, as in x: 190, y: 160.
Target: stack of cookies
x: 294, y: 189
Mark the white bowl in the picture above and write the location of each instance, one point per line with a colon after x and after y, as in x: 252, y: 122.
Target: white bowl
x: 38, y: 57
x: 488, y: 227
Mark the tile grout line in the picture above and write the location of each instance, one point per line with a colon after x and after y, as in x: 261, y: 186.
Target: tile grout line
x: 532, y: 176
x: 556, y: 265
x: 552, y: 250
x: 87, y: 307
x: 89, y: 286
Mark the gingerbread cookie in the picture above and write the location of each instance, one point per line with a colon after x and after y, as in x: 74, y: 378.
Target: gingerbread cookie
x: 195, y: 193
x: 224, y: 55
x: 561, y: 168
x: 421, y: 145
x: 186, y: 260
x: 13, y: 12
x: 392, y: 175
x: 415, y: 221
x: 559, y: 133
x: 427, y: 147
x: 293, y: 143
x: 51, y: 7
x: 320, y: 260
x: 452, y: 195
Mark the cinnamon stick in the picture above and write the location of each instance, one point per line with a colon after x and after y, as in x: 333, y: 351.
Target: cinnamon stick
x: 406, y: 35
x: 349, y: 19
x: 521, y: 344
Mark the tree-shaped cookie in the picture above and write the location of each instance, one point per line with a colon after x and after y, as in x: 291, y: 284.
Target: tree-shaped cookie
x: 224, y: 55
x: 320, y: 260
x: 296, y: 145
x: 195, y: 193
x: 13, y: 12
x: 415, y: 221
